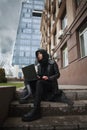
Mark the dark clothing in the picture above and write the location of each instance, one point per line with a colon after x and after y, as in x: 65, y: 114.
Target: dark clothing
x: 52, y: 71
x: 45, y: 89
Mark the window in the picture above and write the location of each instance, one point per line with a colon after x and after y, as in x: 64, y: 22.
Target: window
x: 27, y: 54
x: 39, y: 2
x: 26, y: 20
x: 38, y: 7
x: 59, y: 3
x: 35, y: 37
x: 83, y: 40
x: 27, y: 31
x: 64, y: 55
x: 33, y: 61
x: 36, y: 21
x: 36, y: 26
x: 78, y: 2
x: 22, y: 25
x: 28, y: 10
x: 23, y: 42
x: 64, y: 21
x: 36, y: 13
x: 24, y: 48
x: 28, y: 25
x: 27, y: 15
x: 54, y: 38
x: 27, y: 5
x: 25, y: 36
x: 21, y: 53
x: 35, y: 42
x: 36, y: 31
x: 24, y: 10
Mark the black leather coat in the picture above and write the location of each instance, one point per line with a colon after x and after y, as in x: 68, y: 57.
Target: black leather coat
x: 52, y: 73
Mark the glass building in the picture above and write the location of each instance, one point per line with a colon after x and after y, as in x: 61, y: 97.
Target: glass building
x: 28, y: 33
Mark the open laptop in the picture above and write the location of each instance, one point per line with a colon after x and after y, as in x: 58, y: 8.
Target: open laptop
x: 29, y: 72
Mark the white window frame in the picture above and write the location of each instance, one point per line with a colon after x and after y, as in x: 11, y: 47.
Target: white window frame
x: 85, y: 43
x: 65, y: 61
x: 64, y: 22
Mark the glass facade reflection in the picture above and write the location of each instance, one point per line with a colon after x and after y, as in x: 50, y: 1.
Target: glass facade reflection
x: 28, y: 34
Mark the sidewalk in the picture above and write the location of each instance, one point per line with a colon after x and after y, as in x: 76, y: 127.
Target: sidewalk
x: 73, y: 87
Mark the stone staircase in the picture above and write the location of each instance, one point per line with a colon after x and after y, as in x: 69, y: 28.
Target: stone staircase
x: 55, y: 115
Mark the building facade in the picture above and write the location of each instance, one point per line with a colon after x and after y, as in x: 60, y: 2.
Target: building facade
x: 28, y: 33
x: 64, y: 36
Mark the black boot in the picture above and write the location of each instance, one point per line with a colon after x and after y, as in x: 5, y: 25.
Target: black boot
x: 25, y: 95
x: 33, y: 115
x: 36, y: 112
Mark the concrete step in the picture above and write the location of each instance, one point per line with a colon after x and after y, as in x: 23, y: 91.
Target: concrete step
x: 76, y: 94
x: 73, y: 93
x: 48, y: 123
x: 50, y: 108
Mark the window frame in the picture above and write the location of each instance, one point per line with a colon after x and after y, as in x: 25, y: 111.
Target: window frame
x: 63, y: 60
x: 64, y: 15
x: 81, y: 34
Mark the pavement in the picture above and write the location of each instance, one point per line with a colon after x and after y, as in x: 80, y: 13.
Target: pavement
x: 73, y: 87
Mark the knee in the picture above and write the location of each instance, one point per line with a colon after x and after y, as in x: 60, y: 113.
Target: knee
x: 39, y: 83
x: 26, y: 82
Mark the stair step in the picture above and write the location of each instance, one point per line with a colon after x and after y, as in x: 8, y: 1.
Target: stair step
x: 48, y: 123
x: 80, y: 94
x: 75, y: 94
x: 50, y: 108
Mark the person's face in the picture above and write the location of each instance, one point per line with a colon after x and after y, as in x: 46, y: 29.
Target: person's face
x: 40, y: 56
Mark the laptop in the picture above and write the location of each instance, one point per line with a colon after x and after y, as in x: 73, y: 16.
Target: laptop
x: 29, y: 73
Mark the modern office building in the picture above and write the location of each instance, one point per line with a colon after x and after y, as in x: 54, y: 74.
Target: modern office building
x: 64, y: 36
x: 28, y: 33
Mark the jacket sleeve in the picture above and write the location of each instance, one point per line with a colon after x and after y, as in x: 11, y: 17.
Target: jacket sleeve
x: 56, y: 72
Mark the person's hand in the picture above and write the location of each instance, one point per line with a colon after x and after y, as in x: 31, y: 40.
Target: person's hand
x: 45, y: 78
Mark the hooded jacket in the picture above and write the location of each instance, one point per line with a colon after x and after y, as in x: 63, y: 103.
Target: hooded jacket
x: 50, y: 68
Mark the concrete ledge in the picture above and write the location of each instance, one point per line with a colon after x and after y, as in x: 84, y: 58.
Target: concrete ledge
x: 6, y: 96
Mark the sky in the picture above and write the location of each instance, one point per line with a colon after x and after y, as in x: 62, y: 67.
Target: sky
x: 9, y: 19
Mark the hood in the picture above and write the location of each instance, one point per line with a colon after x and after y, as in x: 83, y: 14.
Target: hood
x: 44, y: 53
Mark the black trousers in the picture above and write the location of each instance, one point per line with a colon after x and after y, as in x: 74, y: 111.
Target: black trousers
x: 40, y: 90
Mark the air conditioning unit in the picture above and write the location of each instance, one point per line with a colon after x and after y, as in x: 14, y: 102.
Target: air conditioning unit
x: 60, y: 34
